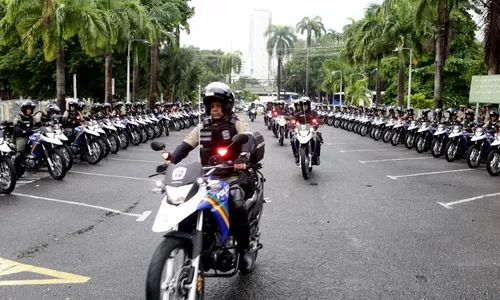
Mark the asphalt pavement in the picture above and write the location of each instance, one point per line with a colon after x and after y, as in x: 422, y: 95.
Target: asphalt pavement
x: 374, y: 222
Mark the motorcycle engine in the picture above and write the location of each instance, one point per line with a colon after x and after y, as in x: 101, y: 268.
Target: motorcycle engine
x: 224, y: 260
x: 31, y: 162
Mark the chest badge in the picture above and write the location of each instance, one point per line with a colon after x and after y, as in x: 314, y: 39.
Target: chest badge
x: 226, y: 135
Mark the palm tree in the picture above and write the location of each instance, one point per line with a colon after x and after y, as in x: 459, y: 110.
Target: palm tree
x: 230, y: 62
x: 491, y: 17
x: 53, y: 22
x: 437, y: 12
x: 310, y: 26
x: 163, y: 18
x: 280, y: 41
x: 124, y: 16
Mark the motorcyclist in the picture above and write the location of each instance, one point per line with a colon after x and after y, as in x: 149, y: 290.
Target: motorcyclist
x: 106, y: 110
x: 95, y: 111
x: 23, y: 125
x: 438, y: 115
x: 215, y: 132
x: 42, y: 117
x: 492, y: 123
x: 157, y: 109
x: 424, y: 117
x: 469, y: 118
x: 410, y: 114
x: 308, y: 116
x: 129, y: 110
x: 72, y: 117
x: 452, y: 116
x: 117, y: 111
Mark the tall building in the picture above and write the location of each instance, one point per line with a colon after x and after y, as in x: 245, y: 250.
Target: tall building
x: 259, y: 63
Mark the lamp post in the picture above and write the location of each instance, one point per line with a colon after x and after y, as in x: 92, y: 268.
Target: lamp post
x: 409, y: 76
x: 128, y: 65
x: 333, y: 73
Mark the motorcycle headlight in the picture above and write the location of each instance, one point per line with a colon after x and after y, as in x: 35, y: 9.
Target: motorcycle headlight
x: 303, y: 132
x: 177, y: 195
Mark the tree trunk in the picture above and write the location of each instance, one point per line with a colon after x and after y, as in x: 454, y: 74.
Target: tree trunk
x: 152, y: 78
x: 108, y: 77
x: 135, y: 86
x: 494, y: 45
x: 61, y: 77
x: 278, y: 78
x: 401, y: 84
x: 439, y: 66
x: 378, y: 86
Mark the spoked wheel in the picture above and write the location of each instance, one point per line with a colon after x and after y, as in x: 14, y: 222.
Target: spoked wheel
x: 450, y: 151
x: 8, y: 176
x: 97, y: 151
x: 493, y: 162
x: 124, y: 141
x: 305, y: 163
x: 168, y: 271
x: 68, y: 156
x: 58, y: 168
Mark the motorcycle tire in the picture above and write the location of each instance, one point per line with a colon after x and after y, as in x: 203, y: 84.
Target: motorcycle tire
x: 469, y: 153
x: 55, y: 154
x: 304, y: 163
x: 68, y: 156
x: 493, y: 154
x: 158, y: 263
x: 124, y: 140
x: 9, y: 167
x: 114, y: 143
x: 434, y: 145
x: 395, y: 136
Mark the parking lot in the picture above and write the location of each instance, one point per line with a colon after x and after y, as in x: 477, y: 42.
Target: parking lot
x: 374, y: 222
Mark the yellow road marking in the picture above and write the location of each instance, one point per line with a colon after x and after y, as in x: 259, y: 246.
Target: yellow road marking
x: 8, y: 267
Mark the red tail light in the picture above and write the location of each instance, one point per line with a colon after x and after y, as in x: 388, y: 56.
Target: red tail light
x: 314, y: 120
x: 293, y: 121
x: 222, y: 151
x: 275, y: 114
x: 78, y: 117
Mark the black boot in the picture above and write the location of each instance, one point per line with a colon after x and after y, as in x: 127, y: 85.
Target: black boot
x: 247, y: 257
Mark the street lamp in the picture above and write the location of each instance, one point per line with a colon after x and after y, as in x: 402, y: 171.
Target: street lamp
x: 128, y: 65
x: 409, y: 76
x: 333, y: 73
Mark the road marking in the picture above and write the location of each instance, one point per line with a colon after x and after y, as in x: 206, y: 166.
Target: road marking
x: 140, y: 217
x: 449, y: 204
x: 392, y: 159
x: 136, y: 160
x: 112, y: 176
x: 349, y: 143
x: 395, y: 177
x: 8, y: 267
x: 367, y: 150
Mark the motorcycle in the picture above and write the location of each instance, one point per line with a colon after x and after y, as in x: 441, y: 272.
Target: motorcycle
x: 305, y: 136
x: 439, y: 140
x: 282, y: 130
x: 8, y: 175
x: 203, y: 237
x: 493, y: 159
x: 480, y: 147
x: 252, y: 114
x: 458, y: 143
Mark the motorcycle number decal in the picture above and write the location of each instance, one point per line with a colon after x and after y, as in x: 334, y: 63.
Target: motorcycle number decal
x: 179, y: 173
x: 226, y: 135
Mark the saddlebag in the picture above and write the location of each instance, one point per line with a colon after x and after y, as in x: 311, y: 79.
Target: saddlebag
x: 260, y: 148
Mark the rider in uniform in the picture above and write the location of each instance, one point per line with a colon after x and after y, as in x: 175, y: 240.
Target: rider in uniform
x: 216, y: 132
x: 23, y: 124
x: 308, y: 116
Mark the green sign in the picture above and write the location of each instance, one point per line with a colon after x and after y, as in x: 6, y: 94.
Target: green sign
x: 485, y: 89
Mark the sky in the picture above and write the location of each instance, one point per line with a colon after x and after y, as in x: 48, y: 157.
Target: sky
x: 224, y: 24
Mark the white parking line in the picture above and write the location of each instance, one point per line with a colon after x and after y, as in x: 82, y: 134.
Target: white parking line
x: 140, y: 217
x: 449, y: 204
x: 392, y: 159
x: 112, y: 176
x: 368, y: 150
x: 350, y: 143
x: 136, y: 160
x: 395, y: 177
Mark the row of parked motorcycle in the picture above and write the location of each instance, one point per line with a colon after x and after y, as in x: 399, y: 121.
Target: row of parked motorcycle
x: 453, y: 140
x: 55, y: 146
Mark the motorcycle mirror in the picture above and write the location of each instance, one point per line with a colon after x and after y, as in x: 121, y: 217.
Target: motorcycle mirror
x: 240, y: 138
x: 161, y: 168
x: 157, y: 146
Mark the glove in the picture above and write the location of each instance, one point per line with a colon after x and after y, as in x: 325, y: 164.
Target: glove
x: 241, y: 162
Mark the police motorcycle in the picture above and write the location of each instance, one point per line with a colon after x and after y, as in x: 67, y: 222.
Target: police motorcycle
x: 102, y: 139
x: 155, y: 124
x: 481, y: 145
x: 305, y: 143
x: 458, y: 142
x: 142, y: 128
x: 8, y: 174
x: 87, y: 143
x: 282, y: 129
x: 148, y: 126
x: 386, y: 133
x: 439, y: 140
x: 337, y: 119
x: 365, y: 125
x: 411, y: 134
x: 64, y: 148
x: 252, y: 113
x: 43, y: 151
x: 194, y: 219
x: 378, y: 127
x: 424, y: 137
x: 111, y: 137
x: 134, y: 130
x: 121, y: 132
x: 165, y: 122
x: 398, y: 132
x: 493, y: 159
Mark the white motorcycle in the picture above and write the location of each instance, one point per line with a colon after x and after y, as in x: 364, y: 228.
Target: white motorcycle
x: 304, y: 133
